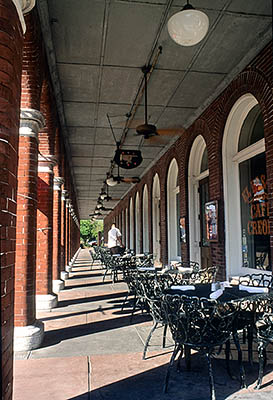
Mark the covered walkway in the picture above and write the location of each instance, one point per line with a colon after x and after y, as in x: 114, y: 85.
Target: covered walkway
x: 91, y: 351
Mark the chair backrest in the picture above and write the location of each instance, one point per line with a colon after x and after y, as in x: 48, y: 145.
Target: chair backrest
x: 206, y: 275
x: 265, y: 327
x: 259, y: 279
x: 199, y: 323
x: 151, y: 288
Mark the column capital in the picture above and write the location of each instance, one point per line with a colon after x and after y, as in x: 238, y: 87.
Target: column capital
x: 68, y: 203
x: 31, y: 122
x: 23, y: 7
x: 57, y: 183
x: 46, y: 163
x: 64, y: 194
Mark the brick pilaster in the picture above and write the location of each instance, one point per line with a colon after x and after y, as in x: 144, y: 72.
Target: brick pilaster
x: 11, y: 42
x: 44, y: 297
x: 56, y: 256
x: 25, y: 269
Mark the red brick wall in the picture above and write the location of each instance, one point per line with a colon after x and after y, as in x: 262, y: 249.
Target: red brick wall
x: 33, y: 63
x: 44, y: 234
x: 32, y: 77
x: 256, y: 79
x: 56, y: 256
x: 26, y: 232
x: 11, y: 41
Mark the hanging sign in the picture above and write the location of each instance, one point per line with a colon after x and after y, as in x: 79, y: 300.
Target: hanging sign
x: 128, y: 159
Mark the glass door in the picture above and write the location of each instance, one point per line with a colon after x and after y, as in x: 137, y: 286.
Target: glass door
x: 205, y: 250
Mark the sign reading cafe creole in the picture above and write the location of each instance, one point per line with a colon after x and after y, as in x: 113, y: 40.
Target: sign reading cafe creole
x: 256, y: 196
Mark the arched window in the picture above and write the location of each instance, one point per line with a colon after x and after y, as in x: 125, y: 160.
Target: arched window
x: 245, y: 189
x: 198, y: 184
x: 124, y: 233
x: 174, y: 246
x: 156, y: 218
x: 137, y: 223
x: 145, y: 219
x: 126, y: 229
x: 131, y: 224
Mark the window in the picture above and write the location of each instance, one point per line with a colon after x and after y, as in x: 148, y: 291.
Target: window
x: 245, y: 189
x: 145, y: 219
x: 174, y: 245
x: 253, y: 199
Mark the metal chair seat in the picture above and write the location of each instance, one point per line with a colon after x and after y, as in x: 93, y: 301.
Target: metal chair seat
x: 264, y: 336
x: 201, y: 324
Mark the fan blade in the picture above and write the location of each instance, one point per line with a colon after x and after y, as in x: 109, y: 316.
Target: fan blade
x: 171, y: 132
x: 157, y: 140
x: 134, y: 179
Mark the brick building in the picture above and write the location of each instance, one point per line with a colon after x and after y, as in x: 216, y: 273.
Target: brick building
x: 206, y: 196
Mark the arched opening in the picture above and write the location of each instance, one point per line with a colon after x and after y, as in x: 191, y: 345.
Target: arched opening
x: 137, y: 223
x: 198, y: 186
x: 173, y: 210
x: 131, y: 212
x: 245, y: 189
x: 145, y: 219
x: 156, y: 218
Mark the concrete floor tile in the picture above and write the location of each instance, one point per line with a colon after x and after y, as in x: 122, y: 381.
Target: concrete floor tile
x: 88, y: 325
x: 54, y: 379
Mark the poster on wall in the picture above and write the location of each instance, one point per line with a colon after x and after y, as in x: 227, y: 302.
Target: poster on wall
x: 211, y: 219
x: 182, y: 225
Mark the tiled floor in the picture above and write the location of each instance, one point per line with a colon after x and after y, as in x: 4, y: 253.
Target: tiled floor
x: 91, y: 351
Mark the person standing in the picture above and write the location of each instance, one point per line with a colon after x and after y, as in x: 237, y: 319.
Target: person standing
x: 114, y: 240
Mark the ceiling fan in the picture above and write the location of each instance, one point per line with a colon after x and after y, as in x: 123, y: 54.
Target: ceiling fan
x: 112, y: 180
x: 104, y: 194
x: 147, y: 130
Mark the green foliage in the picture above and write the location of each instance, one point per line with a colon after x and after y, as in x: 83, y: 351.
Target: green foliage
x: 89, y: 230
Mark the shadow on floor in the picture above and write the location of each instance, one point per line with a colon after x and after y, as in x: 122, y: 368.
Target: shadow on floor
x: 89, y: 276
x: 58, y: 335
x: 186, y: 385
x: 65, y: 303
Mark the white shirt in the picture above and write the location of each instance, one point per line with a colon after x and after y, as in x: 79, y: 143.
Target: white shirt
x: 113, y: 236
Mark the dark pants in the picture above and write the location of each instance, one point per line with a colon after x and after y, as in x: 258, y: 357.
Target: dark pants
x: 116, y: 250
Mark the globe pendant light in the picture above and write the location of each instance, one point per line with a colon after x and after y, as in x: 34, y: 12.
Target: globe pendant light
x: 111, y: 181
x: 189, y: 26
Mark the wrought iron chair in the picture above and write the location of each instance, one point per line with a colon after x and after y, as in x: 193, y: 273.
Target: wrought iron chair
x: 152, y: 289
x: 201, y: 324
x: 259, y: 279
x: 250, y: 310
x: 95, y: 255
x: 206, y: 275
x: 264, y: 336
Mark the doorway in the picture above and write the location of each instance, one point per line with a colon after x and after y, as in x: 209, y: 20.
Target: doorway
x: 205, y: 250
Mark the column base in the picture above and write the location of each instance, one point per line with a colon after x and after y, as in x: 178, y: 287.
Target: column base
x: 64, y: 275
x: 46, y: 301
x: 28, y: 337
x: 68, y: 268
x: 57, y: 286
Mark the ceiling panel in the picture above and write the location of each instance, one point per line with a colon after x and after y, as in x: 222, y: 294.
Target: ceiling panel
x: 131, y: 31
x: 81, y: 161
x: 185, y: 96
x: 255, y: 7
x: 174, y: 117
x: 112, y: 91
x: 234, y: 32
x: 79, y: 82
x: 81, y: 135
x: 79, y: 114
x: 77, y: 30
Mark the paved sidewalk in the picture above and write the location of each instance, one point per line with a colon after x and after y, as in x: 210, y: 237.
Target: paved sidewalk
x: 91, y: 351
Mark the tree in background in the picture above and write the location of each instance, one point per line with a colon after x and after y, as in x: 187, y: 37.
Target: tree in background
x: 89, y: 230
